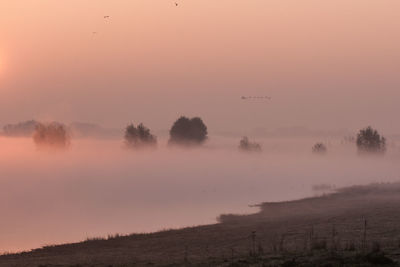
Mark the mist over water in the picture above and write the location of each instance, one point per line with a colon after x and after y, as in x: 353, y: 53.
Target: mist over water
x: 97, y: 187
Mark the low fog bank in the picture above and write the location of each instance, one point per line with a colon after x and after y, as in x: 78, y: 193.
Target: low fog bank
x: 98, y: 187
x: 351, y: 200
x: 82, y: 130
x: 75, y: 129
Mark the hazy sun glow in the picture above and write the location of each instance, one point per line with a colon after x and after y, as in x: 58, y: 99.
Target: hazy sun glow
x: 3, y: 60
x: 1, y: 63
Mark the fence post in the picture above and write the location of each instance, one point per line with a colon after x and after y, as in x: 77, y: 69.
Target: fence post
x: 334, y: 245
x: 311, y: 237
x: 186, y: 255
x: 365, y: 235
x: 253, y: 240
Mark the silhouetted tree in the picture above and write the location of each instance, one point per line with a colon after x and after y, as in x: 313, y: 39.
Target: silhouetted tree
x: 188, y: 131
x: 52, y: 134
x: 246, y: 145
x: 369, y: 140
x: 139, y: 136
x: 319, y: 148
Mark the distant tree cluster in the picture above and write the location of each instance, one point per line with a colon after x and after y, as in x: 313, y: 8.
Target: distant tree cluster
x: 52, y: 134
x: 25, y: 129
x: 370, y: 141
x: 140, y: 136
x: 319, y: 148
x: 246, y: 145
x: 187, y: 131
x: 184, y: 131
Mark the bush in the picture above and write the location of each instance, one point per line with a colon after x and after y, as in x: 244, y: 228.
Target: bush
x: 139, y: 136
x: 52, y: 134
x: 319, y: 148
x: 246, y: 145
x: 188, y: 131
x: 369, y: 140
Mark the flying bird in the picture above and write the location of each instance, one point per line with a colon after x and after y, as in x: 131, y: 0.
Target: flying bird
x: 106, y: 17
x: 256, y: 97
x: 176, y: 4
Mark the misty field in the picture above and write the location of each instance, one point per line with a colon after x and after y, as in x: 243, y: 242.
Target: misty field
x: 98, y: 187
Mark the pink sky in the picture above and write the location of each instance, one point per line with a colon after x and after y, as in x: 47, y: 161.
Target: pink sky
x: 326, y: 64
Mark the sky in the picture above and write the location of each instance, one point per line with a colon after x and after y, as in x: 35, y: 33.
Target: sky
x: 326, y: 64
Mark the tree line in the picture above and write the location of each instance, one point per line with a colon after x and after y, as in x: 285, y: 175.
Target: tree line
x: 368, y: 141
x: 184, y: 131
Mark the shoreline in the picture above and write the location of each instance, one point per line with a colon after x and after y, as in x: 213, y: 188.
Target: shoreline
x: 278, y: 228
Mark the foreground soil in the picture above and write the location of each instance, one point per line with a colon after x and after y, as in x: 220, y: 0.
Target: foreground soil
x: 356, y: 226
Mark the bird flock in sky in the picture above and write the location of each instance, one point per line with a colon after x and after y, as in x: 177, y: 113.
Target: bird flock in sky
x: 107, y: 17
x: 255, y: 97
